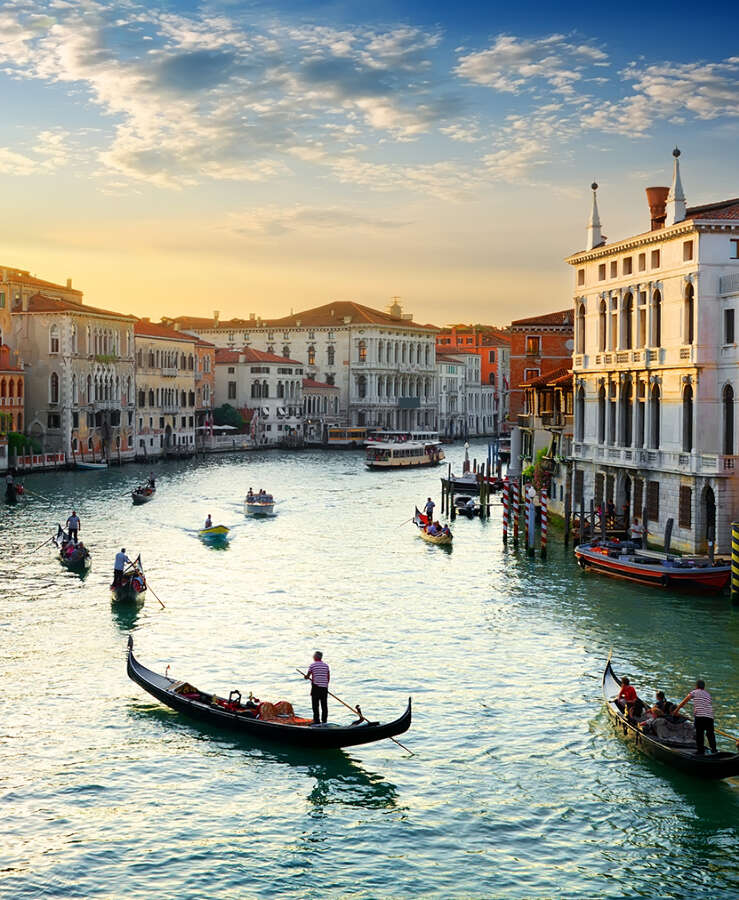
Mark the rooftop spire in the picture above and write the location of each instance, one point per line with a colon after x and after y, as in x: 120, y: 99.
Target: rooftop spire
x: 594, y: 236
x: 675, y: 210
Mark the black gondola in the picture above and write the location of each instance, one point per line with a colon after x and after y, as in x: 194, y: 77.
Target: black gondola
x: 680, y: 755
x: 132, y: 584
x: 76, y: 557
x: 11, y: 493
x: 142, y: 494
x: 231, y: 714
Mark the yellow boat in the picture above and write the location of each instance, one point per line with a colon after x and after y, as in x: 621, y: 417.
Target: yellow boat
x: 443, y: 540
x: 214, y: 533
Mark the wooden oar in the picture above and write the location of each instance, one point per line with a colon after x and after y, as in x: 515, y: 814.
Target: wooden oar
x: 726, y: 734
x: 34, y: 494
x: 358, y: 711
x: 406, y: 522
x: 48, y: 541
x: 149, y: 587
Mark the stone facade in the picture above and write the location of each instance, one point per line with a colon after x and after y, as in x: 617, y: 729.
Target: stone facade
x: 655, y: 369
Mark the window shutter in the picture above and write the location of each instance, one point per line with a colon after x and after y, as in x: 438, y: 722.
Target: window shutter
x: 653, y: 501
x: 684, y: 508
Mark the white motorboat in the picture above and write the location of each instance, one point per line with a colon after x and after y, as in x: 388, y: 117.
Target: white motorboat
x: 259, y: 505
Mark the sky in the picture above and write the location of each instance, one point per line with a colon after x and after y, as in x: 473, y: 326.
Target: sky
x: 180, y: 158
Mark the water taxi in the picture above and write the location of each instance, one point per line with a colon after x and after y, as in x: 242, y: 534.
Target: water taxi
x: 259, y: 505
x: 216, y: 534
x: 389, y: 455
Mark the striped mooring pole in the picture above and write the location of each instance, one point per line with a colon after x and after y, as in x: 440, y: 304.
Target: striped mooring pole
x: 543, y: 507
x: 735, y: 563
x: 505, y: 510
x: 514, y: 507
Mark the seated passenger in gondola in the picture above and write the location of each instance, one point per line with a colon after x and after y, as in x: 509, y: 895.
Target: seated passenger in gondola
x: 662, y: 706
x: 627, y: 698
x: 433, y: 529
x: 445, y: 531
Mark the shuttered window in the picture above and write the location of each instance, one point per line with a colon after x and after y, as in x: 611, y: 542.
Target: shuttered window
x: 579, y: 486
x: 653, y: 501
x: 638, y: 497
x: 609, y: 488
x: 684, y: 509
x: 598, y: 489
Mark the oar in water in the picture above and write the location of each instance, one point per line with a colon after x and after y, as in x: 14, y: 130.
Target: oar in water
x: 406, y: 522
x: 149, y: 587
x: 34, y: 494
x: 726, y: 734
x: 356, y: 709
x: 47, y: 541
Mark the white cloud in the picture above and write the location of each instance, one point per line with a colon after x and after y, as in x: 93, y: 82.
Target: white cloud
x: 510, y: 64
x: 273, y: 221
x: 12, y: 163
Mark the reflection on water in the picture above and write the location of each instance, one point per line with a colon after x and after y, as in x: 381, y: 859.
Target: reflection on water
x: 519, y: 788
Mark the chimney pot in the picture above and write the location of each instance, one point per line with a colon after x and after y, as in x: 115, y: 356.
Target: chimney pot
x: 216, y: 316
x: 69, y: 283
x: 657, y: 200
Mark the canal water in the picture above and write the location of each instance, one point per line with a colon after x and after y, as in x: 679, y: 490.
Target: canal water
x: 518, y: 786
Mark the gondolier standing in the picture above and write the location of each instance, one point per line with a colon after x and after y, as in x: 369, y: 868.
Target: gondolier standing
x: 429, y: 510
x: 702, y: 716
x: 320, y: 675
x: 119, y: 565
x: 73, y: 526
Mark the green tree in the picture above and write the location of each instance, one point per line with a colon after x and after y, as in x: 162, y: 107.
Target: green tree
x: 228, y: 415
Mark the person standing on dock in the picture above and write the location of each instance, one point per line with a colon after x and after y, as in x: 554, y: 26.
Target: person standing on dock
x: 702, y: 716
x: 73, y: 526
x: 429, y: 510
x: 320, y: 675
x: 119, y: 565
x: 636, y: 533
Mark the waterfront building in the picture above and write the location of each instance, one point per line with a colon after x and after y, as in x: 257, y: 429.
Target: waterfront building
x: 655, y: 367
x: 79, y: 372
x: 320, y: 409
x: 382, y: 362
x: 266, y: 389
x: 547, y: 424
x: 17, y: 285
x: 165, y: 390
x: 11, y: 391
x: 205, y: 382
x: 466, y: 408
x: 539, y: 344
x: 493, y: 346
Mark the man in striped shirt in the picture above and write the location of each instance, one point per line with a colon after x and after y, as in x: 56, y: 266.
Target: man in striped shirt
x: 703, y: 716
x: 320, y: 675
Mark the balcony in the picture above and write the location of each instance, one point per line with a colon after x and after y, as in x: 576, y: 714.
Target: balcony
x: 675, y: 461
x: 525, y: 420
x: 169, y: 371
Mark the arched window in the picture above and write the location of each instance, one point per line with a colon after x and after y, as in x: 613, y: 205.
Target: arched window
x: 265, y: 389
x: 75, y: 391
x: 380, y: 350
x: 602, y: 325
x: 362, y: 386
x: 580, y: 334
x: 54, y: 339
x: 580, y: 415
x: 3, y: 388
x: 280, y: 389
x: 654, y: 418
x: 53, y: 388
x: 74, y: 338
x: 689, y: 314
x: 311, y: 355
x: 256, y: 390
x: 657, y: 319
x: 602, y: 415
x: 428, y: 354
x: 641, y: 393
x: 285, y: 351
x: 362, y: 351
x: 151, y: 397
x: 688, y: 418
x: 331, y: 355
x: 491, y: 379
x: 728, y: 408
x: 626, y: 413
x: 627, y: 322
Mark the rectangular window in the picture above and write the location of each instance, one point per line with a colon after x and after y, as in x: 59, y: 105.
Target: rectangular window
x: 655, y: 259
x: 614, y: 269
x: 610, y: 484
x: 232, y: 370
x: 598, y: 489
x: 653, y: 501
x: 579, y: 486
x: 533, y: 346
x: 628, y: 265
x: 602, y: 272
x: 684, y: 507
x: 642, y: 262
x: 232, y: 390
x: 491, y: 356
x: 728, y: 326
x: 531, y: 373
x: 638, y: 497
x: 580, y: 277
x: 687, y: 253
x: 53, y: 420
x: 2, y: 300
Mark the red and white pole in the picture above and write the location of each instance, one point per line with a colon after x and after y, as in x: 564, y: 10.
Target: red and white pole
x: 505, y: 510
x: 543, y: 505
x: 515, y: 512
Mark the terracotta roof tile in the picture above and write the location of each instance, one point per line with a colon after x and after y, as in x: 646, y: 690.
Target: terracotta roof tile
x: 23, y: 277
x: 252, y: 356
x: 6, y: 360
x: 41, y: 303
x: 312, y: 383
x: 548, y: 378
x: 562, y: 317
x: 152, y: 329
x: 725, y: 209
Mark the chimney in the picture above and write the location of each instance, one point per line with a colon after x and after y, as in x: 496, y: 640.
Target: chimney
x: 657, y: 199
x: 675, y: 207
x: 252, y: 317
x: 24, y: 302
x: 216, y: 316
x: 595, y: 238
x: 69, y: 284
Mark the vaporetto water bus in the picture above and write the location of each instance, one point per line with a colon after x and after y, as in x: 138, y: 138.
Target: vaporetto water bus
x: 401, y: 456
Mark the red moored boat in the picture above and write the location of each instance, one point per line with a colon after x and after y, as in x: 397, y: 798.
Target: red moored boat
x: 620, y: 559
